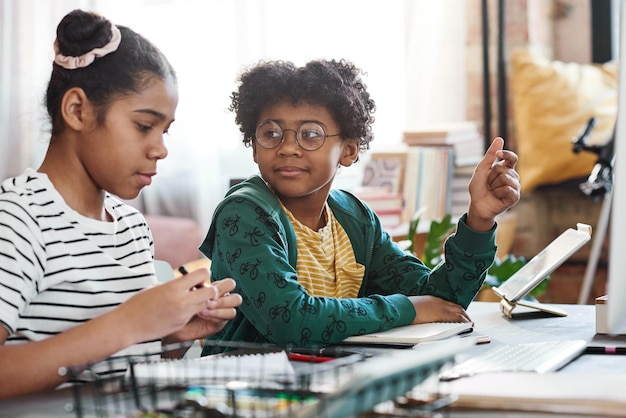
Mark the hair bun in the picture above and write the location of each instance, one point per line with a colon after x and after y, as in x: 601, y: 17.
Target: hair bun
x: 79, y: 32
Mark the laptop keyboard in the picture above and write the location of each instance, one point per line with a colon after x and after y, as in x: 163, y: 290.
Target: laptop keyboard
x: 540, y: 357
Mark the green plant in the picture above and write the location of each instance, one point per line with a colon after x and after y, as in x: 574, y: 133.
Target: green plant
x: 499, y: 272
x: 437, y: 234
x: 413, y: 224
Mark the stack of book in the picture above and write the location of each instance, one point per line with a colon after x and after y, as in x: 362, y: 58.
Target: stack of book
x: 424, y: 179
x: 463, y: 137
x: 388, y: 205
x: 466, y: 144
x: 459, y: 190
x: 381, y: 189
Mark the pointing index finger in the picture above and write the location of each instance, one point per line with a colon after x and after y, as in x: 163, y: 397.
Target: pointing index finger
x: 491, y: 156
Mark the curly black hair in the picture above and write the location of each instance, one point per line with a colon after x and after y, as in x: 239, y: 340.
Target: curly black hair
x: 336, y: 85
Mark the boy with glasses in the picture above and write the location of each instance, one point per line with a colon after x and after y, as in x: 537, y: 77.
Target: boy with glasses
x: 312, y: 263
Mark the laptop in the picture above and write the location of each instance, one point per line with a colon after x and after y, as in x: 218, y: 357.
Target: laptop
x: 513, y: 291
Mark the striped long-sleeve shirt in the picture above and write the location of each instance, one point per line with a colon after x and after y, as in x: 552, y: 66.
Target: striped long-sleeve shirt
x: 58, y: 268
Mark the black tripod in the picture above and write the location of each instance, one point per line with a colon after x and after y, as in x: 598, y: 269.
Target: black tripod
x: 598, y: 184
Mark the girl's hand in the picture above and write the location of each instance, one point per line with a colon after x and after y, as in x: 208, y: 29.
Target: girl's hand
x: 494, y: 186
x: 166, y: 308
x: 215, y: 315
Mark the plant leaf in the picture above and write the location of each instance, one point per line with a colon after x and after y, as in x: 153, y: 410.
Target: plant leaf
x: 413, y: 223
x: 433, y: 249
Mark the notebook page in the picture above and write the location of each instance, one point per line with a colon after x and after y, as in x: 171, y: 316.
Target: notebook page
x: 249, y: 367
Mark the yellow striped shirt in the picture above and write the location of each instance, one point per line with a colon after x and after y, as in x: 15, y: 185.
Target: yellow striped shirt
x: 326, y: 265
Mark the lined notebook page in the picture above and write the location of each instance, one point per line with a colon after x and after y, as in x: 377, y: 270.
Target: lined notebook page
x: 260, y: 366
x: 413, y: 334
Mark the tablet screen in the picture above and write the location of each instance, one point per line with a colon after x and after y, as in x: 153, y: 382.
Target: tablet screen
x: 544, y: 263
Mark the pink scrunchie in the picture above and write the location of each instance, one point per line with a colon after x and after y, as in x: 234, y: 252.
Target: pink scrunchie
x: 71, y: 63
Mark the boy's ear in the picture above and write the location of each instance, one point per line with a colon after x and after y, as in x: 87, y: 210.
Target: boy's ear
x: 350, y: 153
x: 254, y: 151
x: 76, y: 109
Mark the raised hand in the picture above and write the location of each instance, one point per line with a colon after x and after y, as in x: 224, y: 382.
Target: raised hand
x: 494, y: 187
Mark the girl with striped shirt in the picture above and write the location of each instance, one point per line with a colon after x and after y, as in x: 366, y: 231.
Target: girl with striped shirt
x: 77, y: 281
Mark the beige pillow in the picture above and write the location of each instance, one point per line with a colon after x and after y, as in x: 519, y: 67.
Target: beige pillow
x: 552, y: 101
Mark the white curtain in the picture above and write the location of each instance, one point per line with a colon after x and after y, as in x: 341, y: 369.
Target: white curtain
x: 27, y: 30
x: 210, y: 42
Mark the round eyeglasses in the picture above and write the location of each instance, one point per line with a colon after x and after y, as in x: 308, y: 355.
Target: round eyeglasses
x: 309, y: 136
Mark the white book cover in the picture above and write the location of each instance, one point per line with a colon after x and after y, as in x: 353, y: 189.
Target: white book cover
x: 413, y: 334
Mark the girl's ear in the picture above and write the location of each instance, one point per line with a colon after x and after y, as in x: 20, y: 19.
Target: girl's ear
x: 350, y: 152
x: 76, y: 109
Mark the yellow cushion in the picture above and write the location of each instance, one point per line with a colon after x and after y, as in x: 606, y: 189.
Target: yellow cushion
x: 552, y: 101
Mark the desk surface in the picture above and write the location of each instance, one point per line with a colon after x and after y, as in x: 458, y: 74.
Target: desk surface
x: 587, y: 372
x: 526, y: 326
x: 533, y: 326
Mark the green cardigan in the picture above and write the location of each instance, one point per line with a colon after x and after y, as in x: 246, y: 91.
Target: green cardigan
x: 252, y: 241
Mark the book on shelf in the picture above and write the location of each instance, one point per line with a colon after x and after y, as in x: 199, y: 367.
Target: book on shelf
x: 390, y: 218
x: 404, y: 161
x: 379, y: 199
x: 459, y: 190
x: 389, y: 206
x: 413, y: 334
x: 434, y: 180
x: 449, y: 133
x: 425, y: 178
x: 463, y: 137
x: 384, y: 173
x: 469, y: 153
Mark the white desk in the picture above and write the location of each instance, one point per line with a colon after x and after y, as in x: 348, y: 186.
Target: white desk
x: 587, y: 373
x: 525, y: 327
x: 530, y: 326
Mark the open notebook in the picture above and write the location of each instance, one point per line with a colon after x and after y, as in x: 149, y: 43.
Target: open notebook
x: 412, y: 334
x: 250, y: 367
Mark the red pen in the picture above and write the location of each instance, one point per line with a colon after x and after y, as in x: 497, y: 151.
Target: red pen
x: 308, y: 358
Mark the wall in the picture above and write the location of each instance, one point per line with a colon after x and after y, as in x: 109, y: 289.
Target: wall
x: 554, y: 29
